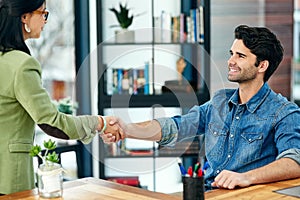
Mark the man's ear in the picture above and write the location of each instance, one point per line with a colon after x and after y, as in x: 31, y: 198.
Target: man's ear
x: 263, y: 66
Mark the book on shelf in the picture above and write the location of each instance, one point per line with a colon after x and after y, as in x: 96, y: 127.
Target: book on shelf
x: 125, y: 81
x: 141, y: 81
x: 175, y: 29
x: 140, y: 152
x: 119, y: 79
x: 157, y: 30
x: 108, y: 80
x: 189, y: 29
x: 134, y: 81
x: 129, y: 180
x: 193, y: 14
x: 201, y: 29
x: 166, y: 24
x: 182, y: 28
x: 147, y: 78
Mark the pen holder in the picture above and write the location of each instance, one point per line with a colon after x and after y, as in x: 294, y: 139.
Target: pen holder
x: 193, y: 188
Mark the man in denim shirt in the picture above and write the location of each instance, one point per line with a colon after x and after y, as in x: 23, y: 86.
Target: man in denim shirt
x: 252, y: 134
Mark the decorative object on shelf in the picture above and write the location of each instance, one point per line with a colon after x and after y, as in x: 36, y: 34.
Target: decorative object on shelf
x: 181, y: 84
x: 66, y: 105
x: 49, y: 173
x: 124, y: 35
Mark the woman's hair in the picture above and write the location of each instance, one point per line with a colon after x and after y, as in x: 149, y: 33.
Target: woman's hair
x: 262, y: 43
x: 11, y: 35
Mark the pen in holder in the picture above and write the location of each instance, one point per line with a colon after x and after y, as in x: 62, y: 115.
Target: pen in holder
x: 193, y: 188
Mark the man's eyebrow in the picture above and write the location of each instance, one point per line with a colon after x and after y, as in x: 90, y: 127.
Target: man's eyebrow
x: 241, y: 54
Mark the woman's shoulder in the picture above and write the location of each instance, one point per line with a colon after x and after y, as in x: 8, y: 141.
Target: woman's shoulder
x: 20, y: 58
x: 18, y: 55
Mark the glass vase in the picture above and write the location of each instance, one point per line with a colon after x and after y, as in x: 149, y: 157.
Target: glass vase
x: 50, y: 180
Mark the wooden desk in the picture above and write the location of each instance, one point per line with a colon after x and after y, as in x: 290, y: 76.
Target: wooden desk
x: 92, y: 188
x: 257, y: 192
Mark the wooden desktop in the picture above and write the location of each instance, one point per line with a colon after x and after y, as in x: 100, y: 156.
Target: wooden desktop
x: 93, y: 188
x: 255, y: 192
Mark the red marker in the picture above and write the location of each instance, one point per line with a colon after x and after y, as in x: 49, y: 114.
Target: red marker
x: 200, y: 173
x: 190, y: 171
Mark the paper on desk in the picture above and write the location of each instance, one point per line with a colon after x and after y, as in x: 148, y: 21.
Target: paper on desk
x: 291, y: 191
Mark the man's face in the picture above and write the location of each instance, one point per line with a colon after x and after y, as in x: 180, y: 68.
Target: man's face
x: 241, y: 64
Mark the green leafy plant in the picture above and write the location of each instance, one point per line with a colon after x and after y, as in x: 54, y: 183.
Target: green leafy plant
x: 123, y: 16
x: 48, y: 157
x: 66, y: 105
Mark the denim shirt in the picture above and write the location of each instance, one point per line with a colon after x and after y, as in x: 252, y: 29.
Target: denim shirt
x: 239, y: 137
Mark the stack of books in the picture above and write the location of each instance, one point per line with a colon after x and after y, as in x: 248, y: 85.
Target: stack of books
x: 128, y: 80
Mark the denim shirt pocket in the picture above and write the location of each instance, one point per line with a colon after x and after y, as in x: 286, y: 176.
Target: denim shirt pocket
x: 215, y: 140
x: 251, y: 145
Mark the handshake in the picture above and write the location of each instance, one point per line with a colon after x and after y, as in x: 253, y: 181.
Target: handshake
x: 115, y: 130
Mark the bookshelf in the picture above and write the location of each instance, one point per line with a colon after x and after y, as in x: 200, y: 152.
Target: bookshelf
x: 154, y: 53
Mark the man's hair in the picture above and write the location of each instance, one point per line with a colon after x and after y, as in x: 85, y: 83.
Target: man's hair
x: 262, y: 43
x: 11, y: 11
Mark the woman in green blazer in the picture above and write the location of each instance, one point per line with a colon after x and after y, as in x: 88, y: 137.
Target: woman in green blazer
x: 23, y: 101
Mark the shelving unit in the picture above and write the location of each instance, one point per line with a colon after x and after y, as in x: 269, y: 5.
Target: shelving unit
x: 197, y: 72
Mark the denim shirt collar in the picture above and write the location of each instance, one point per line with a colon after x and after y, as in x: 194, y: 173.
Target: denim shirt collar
x: 254, y: 102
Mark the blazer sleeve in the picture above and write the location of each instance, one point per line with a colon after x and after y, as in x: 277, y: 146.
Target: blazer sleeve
x: 37, y: 103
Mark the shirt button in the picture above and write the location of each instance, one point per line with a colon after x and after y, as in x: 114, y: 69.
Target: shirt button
x: 237, y: 118
x: 231, y: 135
x: 229, y: 156
x: 249, y: 140
x: 215, y: 133
x: 218, y: 171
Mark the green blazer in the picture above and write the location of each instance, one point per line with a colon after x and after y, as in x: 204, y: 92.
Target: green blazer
x: 23, y: 104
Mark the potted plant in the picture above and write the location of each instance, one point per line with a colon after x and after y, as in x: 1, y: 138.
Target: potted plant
x: 66, y: 105
x: 49, y: 173
x: 125, y: 20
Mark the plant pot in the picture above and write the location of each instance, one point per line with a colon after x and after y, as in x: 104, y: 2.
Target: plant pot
x: 50, y: 180
x: 124, y: 36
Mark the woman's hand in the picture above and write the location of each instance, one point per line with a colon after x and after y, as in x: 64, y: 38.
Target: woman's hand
x: 114, y: 131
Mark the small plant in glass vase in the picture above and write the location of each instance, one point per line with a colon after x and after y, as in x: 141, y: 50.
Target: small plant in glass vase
x: 66, y: 105
x: 125, y: 20
x: 50, y: 172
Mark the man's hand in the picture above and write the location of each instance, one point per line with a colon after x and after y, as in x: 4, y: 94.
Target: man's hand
x: 230, y: 180
x: 114, y: 130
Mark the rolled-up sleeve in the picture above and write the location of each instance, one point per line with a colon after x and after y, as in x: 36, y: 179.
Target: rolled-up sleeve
x: 169, y: 132
x: 287, y: 136
x: 290, y: 153
x: 182, y: 127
